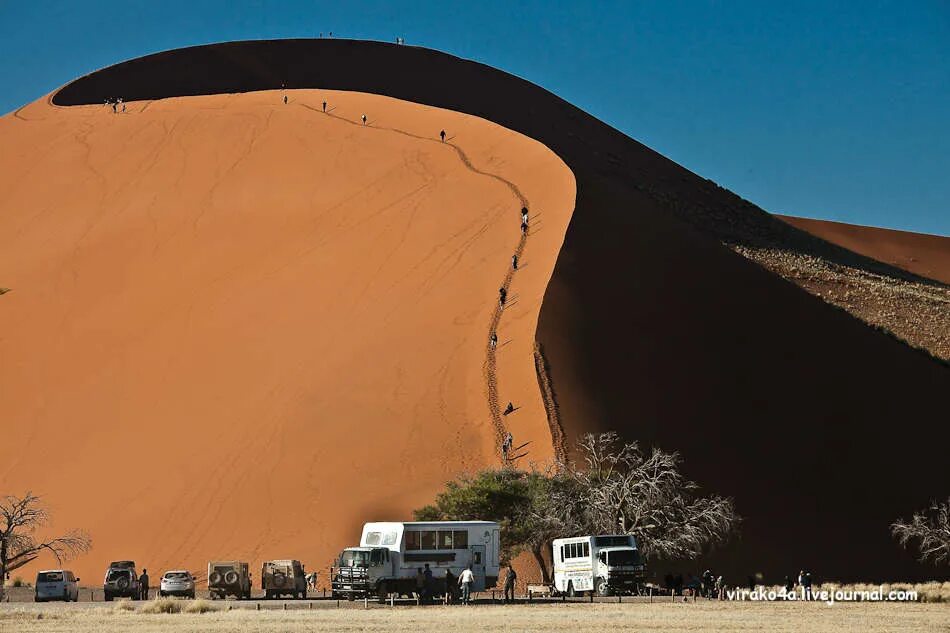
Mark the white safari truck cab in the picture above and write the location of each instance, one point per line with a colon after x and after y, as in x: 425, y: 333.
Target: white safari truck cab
x: 390, y: 555
x: 608, y: 564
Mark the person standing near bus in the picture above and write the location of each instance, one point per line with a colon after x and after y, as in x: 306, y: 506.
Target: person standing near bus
x: 466, y: 579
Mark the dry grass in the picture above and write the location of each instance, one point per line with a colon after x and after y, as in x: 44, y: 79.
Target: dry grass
x: 665, y: 617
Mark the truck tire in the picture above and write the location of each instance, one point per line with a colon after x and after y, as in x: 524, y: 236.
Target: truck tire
x: 231, y: 577
x: 214, y: 578
x: 601, y: 587
x: 382, y: 592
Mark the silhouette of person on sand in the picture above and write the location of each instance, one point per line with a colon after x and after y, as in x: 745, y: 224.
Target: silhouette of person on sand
x: 364, y: 119
x: 502, y: 296
x: 514, y: 262
x: 442, y: 135
x: 493, y: 340
x: 324, y: 107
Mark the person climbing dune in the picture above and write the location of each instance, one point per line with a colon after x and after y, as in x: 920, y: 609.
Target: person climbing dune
x: 502, y: 296
x: 514, y: 262
x: 524, y: 228
x: 324, y: 107
x: 364, y: 119
x: 524, y: 215
x: 493, y: 340
x: 442, y: 135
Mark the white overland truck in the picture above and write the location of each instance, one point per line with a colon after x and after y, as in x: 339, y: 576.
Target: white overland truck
x: 607, y: 565
x: 390, y: 555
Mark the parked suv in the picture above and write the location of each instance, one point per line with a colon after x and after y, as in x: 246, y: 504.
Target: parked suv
x: 229, y: 578
x: 283, y: 577
x: 177, y: 583
x: 121, y: 581
x: 56, y: 584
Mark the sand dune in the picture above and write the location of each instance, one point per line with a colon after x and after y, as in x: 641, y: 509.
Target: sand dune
x: 239, y: 328
x: 822, y: 428
x: 918, y: 253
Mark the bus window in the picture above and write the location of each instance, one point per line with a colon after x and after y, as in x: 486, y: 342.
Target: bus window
x: 413, y: 541
x: 460, y: 539
x: 429, y: 538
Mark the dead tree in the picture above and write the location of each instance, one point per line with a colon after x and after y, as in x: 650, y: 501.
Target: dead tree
x: 928, y: 532
x: 20, y: 518
x: 628, y: 492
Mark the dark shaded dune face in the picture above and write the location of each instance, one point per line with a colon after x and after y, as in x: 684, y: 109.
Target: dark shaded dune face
x: 823, y: 429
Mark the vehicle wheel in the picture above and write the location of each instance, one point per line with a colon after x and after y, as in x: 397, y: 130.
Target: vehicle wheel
x: 192, y: 595
x: 350, y: 597
x: 600, y: 586
x: 108, y: 597
x: 382, y: 592
x: 570, y: 590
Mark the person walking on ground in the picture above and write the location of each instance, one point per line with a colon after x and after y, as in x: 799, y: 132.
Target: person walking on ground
x: 420, y: 584
x: 449, y: 586
x: 442, y: 135
x: 514, y: 262
x: 510, y: 580
x: 502, y: 296
x: 364, y: 119
x: 493, y: 340
x: 324, y: 107
x: 427, y: 586
x: 466, y: 579
x: 143, y: 585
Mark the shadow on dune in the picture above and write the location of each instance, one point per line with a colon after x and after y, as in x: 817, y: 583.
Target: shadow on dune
x: 823, y: 429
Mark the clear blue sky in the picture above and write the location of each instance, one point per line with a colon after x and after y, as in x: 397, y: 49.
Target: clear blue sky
x: 831, y: 110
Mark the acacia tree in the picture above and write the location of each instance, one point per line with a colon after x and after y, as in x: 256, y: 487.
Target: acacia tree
x: 928, y: 531
x: 621, y: 490
x: 20, y: 518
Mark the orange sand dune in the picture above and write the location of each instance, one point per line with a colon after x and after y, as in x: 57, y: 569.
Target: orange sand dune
x: 918, y: 253
x: 239, y: 329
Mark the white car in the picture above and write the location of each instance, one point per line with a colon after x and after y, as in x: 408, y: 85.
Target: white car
x: 56, y: 584
x: 177, y: 583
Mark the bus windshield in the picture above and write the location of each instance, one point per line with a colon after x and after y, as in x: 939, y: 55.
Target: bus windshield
x: 354, y: 559
x: 623, y: 557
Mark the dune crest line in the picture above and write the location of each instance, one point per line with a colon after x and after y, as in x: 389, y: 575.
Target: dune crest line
x: 490, y: 366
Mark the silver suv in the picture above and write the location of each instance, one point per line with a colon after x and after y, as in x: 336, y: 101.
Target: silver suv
x: 177, y: 583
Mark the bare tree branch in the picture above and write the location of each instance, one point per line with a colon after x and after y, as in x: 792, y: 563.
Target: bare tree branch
x: 928, y: 531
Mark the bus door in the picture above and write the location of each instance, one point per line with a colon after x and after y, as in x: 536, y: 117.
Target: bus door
x: 478, y: 566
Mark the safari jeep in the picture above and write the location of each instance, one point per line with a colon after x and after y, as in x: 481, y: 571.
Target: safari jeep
x: 121, y: 581
x: 283, y: 578
x: 229, y: 578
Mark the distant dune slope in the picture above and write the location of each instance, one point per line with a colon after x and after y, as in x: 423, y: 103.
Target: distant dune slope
x: 918, y: 253
x: 239, y: 329
x: 823, y: 429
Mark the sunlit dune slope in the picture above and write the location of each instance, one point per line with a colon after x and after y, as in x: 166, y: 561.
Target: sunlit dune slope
x: 918, y: 253
x: 239, y: 328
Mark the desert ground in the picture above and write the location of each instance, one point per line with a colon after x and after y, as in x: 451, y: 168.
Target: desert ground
x: 241, y: 328
x: 665, y: 617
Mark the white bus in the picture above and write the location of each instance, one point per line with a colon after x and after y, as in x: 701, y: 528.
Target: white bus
x: 606, y: 564
x: 390, y: 555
